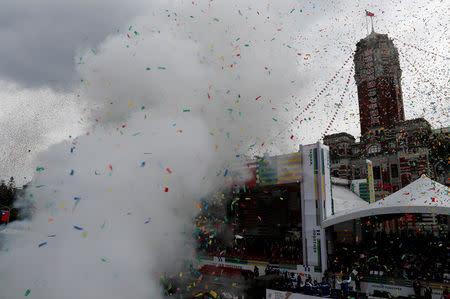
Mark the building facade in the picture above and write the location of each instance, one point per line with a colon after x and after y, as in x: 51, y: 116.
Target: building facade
x: 401, y: 150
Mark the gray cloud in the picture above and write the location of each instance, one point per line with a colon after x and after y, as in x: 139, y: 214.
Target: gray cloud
x: 39, y: 38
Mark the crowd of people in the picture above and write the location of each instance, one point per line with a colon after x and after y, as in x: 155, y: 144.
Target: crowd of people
x: 329, y: 286
x: 274, y: 250
x: 422, y: 256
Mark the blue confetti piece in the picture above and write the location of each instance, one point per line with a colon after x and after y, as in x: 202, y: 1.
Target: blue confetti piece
x: 143, y: 164
x: 239, y: 11
x: 71, y: 149
x: 72, y: 172
x: 42, y: 244
x: 51, y: 236
x: 226, y: 171
x: 77, y: 227
x: 76, y: 198
x: 148, y: 220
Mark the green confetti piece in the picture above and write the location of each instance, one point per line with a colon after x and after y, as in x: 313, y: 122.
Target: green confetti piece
x: 40, y: 186
x: 292, y: 10
x: 129, y: 28
x: 274, y: 119
x: 103, y: 260
x: 103, y: 225
x: 289, y: 46
x: 135, y: 134
x: 216, y: 19
x: 143, y: 107
x: 186, y: 110
x: 27, y: 292
x: 31, y: 195
x: 246, y: 45
x: 40, y: 168
x: 272, y: 39
x: 161, y: 67
x: 148, y: 68
x: 228, y: 134
x: 136, y: 33
x: 238, y: 38
x: 192, y: 17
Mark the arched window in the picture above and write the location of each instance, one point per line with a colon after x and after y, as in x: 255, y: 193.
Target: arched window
x: 374, y: 148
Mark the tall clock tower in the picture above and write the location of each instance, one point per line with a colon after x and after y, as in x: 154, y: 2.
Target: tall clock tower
x: 378, y: 77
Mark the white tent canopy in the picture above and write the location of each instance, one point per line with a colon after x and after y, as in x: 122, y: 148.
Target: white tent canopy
x: 421, y: 196
x: 344, y: 200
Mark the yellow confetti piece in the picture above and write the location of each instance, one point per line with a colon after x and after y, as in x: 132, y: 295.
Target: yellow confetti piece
x: 61, y: 205
x: 109, y: 190
x: 84, y: 234
x: 108, y: 112
x: 131, y: 103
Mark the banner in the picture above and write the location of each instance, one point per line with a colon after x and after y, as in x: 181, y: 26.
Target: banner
x: 316, y: 198
x: 370, y: 181
x: 278, y: 170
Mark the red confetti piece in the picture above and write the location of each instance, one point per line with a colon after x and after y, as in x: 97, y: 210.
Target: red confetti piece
x: 209, y: 97
x: 110, y: 167
x: 166, y: 189
x: 292, y: 136
x: 168, y: 170
x: 257, y: 98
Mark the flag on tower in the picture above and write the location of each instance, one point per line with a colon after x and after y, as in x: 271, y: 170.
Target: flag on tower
x: 369, y: 14
x: 5, y: 216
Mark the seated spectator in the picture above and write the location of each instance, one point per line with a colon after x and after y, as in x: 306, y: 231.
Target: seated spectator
x: 325, y: 288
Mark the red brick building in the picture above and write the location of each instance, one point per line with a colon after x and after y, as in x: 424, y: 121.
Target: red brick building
x: 401, y: 150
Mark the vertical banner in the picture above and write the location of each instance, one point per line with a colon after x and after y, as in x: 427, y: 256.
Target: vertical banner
x: 316, y: 203
x: 370, y: 181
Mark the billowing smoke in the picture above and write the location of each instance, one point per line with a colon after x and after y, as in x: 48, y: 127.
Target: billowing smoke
x: 173, y: 101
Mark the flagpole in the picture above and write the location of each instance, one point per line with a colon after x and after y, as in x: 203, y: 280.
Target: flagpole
x: 367, y: 26
x: 371, y: 21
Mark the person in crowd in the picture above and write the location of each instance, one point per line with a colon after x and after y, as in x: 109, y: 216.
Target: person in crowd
x: 308, y: 286
x: 325, y: 288
x: 428, y: 291
x: 256, y: 271
x: 416, y: 287
x: 299, y: 285
x: 344, y: 285
x: 358, y: 282
x: 445, y: 294
x: 315, y: 288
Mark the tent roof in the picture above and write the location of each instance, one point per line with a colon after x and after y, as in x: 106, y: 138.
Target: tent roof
x: 345, y: 200
x: 421, y: 196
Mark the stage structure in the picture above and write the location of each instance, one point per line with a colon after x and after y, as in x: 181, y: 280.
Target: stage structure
x: 308, y: 171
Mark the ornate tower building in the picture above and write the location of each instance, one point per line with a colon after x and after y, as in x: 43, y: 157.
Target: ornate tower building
x: 378, y: 75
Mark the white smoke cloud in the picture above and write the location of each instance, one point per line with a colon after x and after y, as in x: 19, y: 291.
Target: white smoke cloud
x: 107, y: 223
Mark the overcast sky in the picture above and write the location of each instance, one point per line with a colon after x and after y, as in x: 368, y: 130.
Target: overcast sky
x: 44, y: 42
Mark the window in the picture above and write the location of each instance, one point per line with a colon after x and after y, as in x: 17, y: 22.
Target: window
x: 374, y: 148
x: 376, y: 172
x: 394, y: 171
